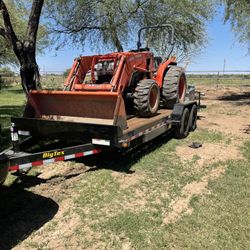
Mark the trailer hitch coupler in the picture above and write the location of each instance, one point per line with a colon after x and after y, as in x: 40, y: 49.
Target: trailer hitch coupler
x: 14, y: 138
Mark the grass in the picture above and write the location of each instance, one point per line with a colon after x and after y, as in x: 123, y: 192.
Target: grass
x: 12, y: 102
x: 221, y: 80
x: 220, y: 220
x: 122, y: 204
x: 133, y: 215
x: 119, y: 215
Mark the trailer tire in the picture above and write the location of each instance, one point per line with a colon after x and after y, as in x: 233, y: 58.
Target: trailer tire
x: 174, y: 86
x: 192, y: 123
x: 146, y: 98
x: 181, y: 131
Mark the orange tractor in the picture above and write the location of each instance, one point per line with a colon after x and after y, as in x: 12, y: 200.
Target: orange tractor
x: 107, y: 88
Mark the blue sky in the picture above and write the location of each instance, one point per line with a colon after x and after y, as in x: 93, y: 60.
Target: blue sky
x: 222, y: 45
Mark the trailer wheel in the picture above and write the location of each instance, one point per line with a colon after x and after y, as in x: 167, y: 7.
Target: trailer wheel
x: 182, y: 130
x: 146, y: 98
x: 192, y: 123
x: 174, y: 86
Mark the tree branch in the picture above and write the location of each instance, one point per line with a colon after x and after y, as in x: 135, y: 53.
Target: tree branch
x: 9, y: 31
x: 34, y: 19
x: 68, y: 30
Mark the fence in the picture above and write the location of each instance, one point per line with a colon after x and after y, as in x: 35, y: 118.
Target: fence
x: 55, y: 79
x: 229, y: 77
x: 49, y: 80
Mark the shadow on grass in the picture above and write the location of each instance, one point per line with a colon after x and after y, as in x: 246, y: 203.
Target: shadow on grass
x: 16, y: 91
x: 239, y: 99
x: 122, y: 161
x: 8, y: 111
x: 21, y: 213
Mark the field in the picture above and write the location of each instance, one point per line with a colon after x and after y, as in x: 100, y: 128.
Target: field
x: 163, y: 195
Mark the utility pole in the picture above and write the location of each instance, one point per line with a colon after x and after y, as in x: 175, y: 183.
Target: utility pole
x: 224, y: 66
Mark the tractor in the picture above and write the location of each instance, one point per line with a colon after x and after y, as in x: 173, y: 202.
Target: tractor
x: 113, y: 86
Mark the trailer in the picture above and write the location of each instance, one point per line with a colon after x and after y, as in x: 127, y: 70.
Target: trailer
x: 34, y: 144
x: 113, y: 101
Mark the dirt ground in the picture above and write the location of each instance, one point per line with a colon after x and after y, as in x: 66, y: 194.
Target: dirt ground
x: 48, y: 196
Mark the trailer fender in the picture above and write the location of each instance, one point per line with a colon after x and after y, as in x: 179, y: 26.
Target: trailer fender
x: 178, y: 110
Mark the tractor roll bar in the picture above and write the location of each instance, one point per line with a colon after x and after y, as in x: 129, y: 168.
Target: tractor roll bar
x: 156, y: 27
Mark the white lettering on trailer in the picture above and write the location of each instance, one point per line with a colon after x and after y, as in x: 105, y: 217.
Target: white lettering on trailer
x: 101, y: 142
x: 147, y: 131
x: 22, y: 132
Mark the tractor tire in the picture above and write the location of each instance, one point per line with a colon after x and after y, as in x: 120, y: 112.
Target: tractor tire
x: 181, y: 131
x: 146, y: 98
x: 174, y: 87
x: 192, y: 123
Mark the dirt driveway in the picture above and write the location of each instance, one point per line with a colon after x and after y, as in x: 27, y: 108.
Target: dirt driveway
x: 40, y: 211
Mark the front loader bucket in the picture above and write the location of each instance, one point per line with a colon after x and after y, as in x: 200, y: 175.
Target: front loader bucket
x: 105, y: 108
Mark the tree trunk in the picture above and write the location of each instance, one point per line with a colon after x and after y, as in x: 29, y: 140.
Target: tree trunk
x: 117, y: 42
x: 29, y: 71
x: 24, y: 50
x: 114, y: 36
x: 30, y: 75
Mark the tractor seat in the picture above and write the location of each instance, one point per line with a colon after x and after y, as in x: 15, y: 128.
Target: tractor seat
x: 158, y: 60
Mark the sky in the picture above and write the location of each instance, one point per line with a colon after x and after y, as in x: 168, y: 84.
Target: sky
x: 222, y: 45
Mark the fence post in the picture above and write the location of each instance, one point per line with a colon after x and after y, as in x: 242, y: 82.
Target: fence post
x: 218, y: 76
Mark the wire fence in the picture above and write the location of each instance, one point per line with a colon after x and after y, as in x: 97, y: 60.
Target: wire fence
x: 56, y: 79
x: 217, y: 77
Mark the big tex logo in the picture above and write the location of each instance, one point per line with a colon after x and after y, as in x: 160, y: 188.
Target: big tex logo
x: 53, y: 154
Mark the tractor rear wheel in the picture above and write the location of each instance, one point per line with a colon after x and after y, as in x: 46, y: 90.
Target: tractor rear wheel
x: 146, y: 98
x: 174, y: 86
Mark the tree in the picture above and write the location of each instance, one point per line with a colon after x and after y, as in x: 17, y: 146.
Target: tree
x: 237, y: 12
x: 19, y: 14
x: 6, y: 71
x: 24, y: 47
x: 66, y: 72
x: 112, y: 24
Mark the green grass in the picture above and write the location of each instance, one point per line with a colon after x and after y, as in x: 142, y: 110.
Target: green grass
x: 12, y: 102
x: 131, y: 214
x: 221, y: 219
x: 222, y: 80
x: 124, y: 202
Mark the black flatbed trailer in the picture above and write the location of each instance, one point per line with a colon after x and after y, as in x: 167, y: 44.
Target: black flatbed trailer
x: 70, y: 138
